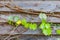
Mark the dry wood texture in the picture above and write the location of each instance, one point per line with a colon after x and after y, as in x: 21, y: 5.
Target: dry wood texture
x: 9, y: 9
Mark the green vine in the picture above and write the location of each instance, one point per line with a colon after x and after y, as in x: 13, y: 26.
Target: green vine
x: 44, y: 26
x: 17, y: 21
x: 29, y: 25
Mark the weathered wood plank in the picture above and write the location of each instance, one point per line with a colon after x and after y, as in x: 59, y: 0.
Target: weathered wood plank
x: 29, y: 18
x: 33, y: 5
x: 5, y: 29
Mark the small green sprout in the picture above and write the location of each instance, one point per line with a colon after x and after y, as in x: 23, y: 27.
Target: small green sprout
x: 58, y: 31
x: 44, y: 26
x: 10, y: 20
x: 24, y: 22
x: 42, y: 16
x: 16, y: 18
x: 33, y: 26
x: 47, y: 31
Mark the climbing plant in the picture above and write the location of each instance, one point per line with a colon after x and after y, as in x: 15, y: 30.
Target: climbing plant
x: 16, y: 21
x: 45, y: 26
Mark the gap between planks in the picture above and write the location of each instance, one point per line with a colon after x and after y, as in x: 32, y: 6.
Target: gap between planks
x: 28, y: 34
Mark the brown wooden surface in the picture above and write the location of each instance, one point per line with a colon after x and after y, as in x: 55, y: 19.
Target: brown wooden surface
x: 6, y: 12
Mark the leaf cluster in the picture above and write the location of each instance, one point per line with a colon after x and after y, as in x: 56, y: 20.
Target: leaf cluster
x: 44, y: 26
x: 17, y: 21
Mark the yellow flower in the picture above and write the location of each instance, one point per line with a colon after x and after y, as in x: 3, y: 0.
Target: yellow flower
x: 18, y: 22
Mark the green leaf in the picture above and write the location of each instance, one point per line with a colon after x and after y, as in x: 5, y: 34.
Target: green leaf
x: 47, y: 31
x: 42, y: 16
x: 47, y: 25
x: 42, y: 26
x: 33, y: 26
x: 43, y: 21
x: 10, y: 22
x: 58, y: 31
x: 26, y: 25
x: 24, y: 22
x: 10, y: 18
x: 16, y: 18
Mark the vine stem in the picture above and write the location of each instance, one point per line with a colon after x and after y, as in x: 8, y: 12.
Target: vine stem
x: 10, y: 33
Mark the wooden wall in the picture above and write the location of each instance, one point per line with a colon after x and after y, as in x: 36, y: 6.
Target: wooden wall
x: 33, y: 0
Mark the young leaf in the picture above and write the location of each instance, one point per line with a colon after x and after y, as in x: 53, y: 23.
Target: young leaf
x: 42, y: 26
x: 47, y: 31
x: 16, y: 18
x: 24, y: 22
x: 10, y: 22
x: 27, y: 25
x: 33, y: 26
x: 43, y: 21
x: 10, y: 18
x: 47, y: 25
x: 58, y: 31
x: 42, y: 16
x: 18, y: 22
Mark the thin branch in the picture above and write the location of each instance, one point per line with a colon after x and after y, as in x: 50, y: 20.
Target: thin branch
x: 32, y: 12
x: 29, y: 11
x: 10, y: 33
x: 17, y: 9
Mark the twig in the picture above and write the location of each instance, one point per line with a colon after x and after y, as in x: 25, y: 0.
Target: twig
x: 13, y: 37
x: 17, y: 9
x: 10, y: 33
x: 58, y: 16
x: 29, y: 12
x: 32, y: 12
